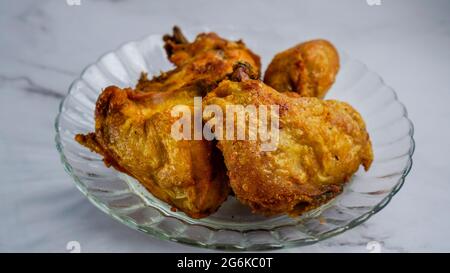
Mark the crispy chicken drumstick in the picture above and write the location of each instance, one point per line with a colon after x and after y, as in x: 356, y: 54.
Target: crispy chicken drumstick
x: 321, y: 145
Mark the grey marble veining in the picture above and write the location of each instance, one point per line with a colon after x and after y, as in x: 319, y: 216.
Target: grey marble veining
x: 44, y: 45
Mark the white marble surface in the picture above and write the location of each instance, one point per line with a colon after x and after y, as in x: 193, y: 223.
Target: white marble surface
x: 44, y: 45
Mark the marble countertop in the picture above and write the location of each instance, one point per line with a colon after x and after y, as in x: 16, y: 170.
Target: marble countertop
x: 45, y: 44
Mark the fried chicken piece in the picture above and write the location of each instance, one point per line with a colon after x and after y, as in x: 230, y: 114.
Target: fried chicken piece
x: 309, y: 69
x: 321, y: 145
x: 205, y: 62
x: 133, y: 134
x: 133, y: 127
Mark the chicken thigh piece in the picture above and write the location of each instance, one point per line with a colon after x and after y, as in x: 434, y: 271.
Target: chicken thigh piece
x: 133, y: 134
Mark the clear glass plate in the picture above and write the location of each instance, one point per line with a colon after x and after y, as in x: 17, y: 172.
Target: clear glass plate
x: 233, y: 226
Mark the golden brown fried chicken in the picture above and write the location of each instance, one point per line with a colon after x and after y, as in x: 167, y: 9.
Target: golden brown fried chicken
x: 133, y: 127
x: 204, y: 62
x: 321, y: 145
x: 309, y: 69
x: 133, y: 134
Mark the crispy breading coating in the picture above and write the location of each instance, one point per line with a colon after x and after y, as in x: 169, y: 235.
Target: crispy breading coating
x: 204, y: 62
x: 321, y: 145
